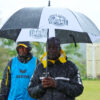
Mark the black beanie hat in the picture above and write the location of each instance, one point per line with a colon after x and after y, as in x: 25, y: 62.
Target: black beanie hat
x: 53, y: 40
x: 24, y: 44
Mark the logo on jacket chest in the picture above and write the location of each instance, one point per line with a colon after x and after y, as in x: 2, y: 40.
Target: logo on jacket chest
x: 22, y: 71
x: 22, y: 74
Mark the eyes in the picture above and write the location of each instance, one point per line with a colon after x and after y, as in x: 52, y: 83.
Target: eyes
x: 20, y: 48
x: 54, y: 48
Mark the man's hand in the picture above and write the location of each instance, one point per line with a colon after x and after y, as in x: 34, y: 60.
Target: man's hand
x: 48, y: 82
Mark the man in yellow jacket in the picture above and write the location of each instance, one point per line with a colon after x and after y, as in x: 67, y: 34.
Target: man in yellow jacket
x: 63, y: 81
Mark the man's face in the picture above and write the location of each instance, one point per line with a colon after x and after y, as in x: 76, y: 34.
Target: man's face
x: 53, y: 51
x: 22, y: 51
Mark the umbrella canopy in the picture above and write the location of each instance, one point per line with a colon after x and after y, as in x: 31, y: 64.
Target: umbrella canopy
x: 33, y: 24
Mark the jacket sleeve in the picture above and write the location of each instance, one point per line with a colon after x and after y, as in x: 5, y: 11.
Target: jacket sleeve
x: 74, y: 86
x: 6, y: 82
x: 35, y: 87
x: 37, y: 62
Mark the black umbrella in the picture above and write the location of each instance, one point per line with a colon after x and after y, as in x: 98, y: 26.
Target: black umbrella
x: 32, y: 24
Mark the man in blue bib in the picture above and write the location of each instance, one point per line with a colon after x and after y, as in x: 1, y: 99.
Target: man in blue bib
x: 17, y: 74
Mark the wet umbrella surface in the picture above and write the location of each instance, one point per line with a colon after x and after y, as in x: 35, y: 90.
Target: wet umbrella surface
x: 33, y: 24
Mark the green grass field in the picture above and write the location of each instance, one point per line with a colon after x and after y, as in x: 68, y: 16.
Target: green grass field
x: 91, y: 90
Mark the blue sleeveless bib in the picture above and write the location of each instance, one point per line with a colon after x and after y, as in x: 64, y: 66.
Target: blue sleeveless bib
x: 20, y: 78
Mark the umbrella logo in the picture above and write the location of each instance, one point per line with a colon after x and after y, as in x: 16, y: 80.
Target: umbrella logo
x: 38, y: 33
x: 58, y: 20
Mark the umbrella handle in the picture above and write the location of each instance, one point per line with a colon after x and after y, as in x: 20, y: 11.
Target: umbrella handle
x: 73, y: 39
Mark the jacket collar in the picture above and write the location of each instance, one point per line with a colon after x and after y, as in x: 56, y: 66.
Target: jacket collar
x: 61, y: 59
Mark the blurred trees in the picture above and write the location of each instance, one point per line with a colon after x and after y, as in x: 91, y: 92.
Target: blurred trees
x: 6, y: 53
x: 73, y: 53
x: 38, y: 49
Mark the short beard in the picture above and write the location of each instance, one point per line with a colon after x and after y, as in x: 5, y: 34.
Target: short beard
x: 22, y: 56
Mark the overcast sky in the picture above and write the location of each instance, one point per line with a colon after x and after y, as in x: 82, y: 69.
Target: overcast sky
x: 90, y: 8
